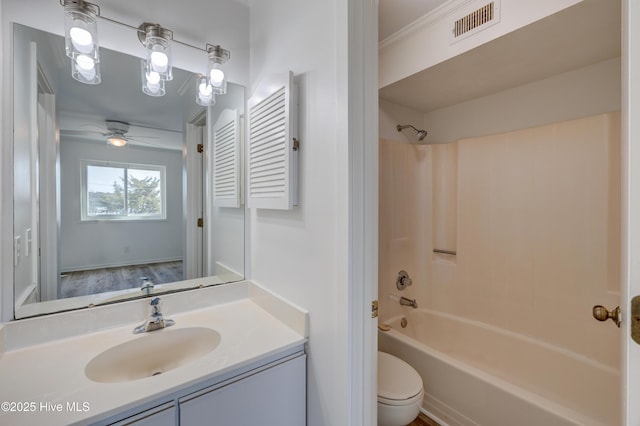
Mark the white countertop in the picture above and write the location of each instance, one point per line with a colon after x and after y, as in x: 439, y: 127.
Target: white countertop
x: 49, y: 376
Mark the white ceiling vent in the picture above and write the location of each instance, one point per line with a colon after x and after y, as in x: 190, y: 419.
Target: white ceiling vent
x: 471, y: 19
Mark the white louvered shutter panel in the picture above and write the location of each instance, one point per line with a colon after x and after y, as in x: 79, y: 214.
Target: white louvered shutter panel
x: 226, y: 160
x: 272, y: 176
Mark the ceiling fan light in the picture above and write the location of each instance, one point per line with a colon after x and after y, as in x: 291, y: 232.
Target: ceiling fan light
x: 117, y: 141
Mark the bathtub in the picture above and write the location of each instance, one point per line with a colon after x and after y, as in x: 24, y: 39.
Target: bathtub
x: 477, y: 374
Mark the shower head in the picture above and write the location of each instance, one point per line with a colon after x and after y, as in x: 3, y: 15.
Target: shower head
x: 421, y: 134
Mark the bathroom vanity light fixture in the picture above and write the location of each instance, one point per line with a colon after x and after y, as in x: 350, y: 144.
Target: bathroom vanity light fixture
x: 215, y: 73
x: 152, y: 82
x: 157, y: 42
x: 81, y: 38
x: 204, y: 91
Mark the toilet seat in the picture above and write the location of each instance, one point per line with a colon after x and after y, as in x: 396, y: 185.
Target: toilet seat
x: 400, y: 402
x: 398, y: 382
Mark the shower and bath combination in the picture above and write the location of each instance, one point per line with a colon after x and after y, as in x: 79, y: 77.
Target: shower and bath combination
x: 420, y: 134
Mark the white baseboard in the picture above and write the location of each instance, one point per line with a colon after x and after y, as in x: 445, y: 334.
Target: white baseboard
x: 443, y: 413
x: 118, y: 264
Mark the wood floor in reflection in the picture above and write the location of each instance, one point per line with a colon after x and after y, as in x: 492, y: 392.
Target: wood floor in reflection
x: 82, y: 283
x: 423, y: 420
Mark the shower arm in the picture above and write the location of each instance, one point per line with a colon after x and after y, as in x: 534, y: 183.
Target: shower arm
x: 421, y: 134
x: 401, y: 127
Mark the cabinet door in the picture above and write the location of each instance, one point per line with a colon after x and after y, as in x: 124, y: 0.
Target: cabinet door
x: 164, y: 415
x: 275, y: 396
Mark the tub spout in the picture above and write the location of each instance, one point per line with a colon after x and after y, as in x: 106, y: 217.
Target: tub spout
x: 408, y: 302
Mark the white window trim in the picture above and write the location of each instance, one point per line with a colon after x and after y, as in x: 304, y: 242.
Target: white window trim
x: 85, y: 217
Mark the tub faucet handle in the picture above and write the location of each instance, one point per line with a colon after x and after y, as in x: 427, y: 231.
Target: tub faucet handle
x: 403, y: 280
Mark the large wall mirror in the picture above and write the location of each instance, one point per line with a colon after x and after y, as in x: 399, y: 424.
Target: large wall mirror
x: 97, y: 223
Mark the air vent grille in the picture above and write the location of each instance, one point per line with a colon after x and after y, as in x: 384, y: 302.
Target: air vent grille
x: 477, y: 20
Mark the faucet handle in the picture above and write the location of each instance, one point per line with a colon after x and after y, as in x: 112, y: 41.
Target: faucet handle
x: 146, y: 285
x: 154, y: 307
x: 403, y: 280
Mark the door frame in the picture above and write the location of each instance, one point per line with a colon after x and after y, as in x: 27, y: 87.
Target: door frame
x: 362, y: 79
x: 630, y: 371
x: 194, y: 165
x: 49, y: 159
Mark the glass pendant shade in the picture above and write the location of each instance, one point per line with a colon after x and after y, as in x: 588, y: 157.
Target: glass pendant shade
x: 152, y: 83
x: 217, y: 78
x: 204, y: 92
x: 85, y: 70
x: 81, y: 40
x: 81, y: 31
x: 215, y: 72
x: 157, y: 43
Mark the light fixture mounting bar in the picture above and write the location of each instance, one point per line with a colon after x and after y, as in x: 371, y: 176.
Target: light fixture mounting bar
x: 216, y: 51
x: 153, y: 30
x: 81, y: 6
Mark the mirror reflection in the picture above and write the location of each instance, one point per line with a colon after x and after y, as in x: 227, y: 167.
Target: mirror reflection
x: 109, y: 186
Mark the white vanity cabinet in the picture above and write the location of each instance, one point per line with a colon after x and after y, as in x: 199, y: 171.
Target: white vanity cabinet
x: 268, y: 392
x: 274, y: 396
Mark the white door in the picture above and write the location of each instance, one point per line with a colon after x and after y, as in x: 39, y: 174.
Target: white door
x: 631, y: 206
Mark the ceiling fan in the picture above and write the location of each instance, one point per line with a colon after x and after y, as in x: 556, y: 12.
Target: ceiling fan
x: 117, y: 134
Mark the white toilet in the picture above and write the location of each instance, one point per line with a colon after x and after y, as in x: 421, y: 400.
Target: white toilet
x: 399, y: 391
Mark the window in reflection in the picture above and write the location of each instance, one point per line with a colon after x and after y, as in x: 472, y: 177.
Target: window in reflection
x: 122, y: 191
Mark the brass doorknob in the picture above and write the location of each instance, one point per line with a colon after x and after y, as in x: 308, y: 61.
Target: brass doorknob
x: 602, y: 314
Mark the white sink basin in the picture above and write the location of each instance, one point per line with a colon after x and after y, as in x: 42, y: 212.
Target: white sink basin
x: 151, y: 354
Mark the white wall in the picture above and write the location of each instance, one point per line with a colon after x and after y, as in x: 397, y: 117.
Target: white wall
x: 390, y: 115
x: 578, y: 93
x: 429, y: 35
x: 94, y: 244
x: 23, y: 176
x: 301, y: 254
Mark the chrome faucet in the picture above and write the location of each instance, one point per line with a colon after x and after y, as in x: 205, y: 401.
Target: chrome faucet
x: 155, y: 321
x: 146, y: 285
x: 408, y: 302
